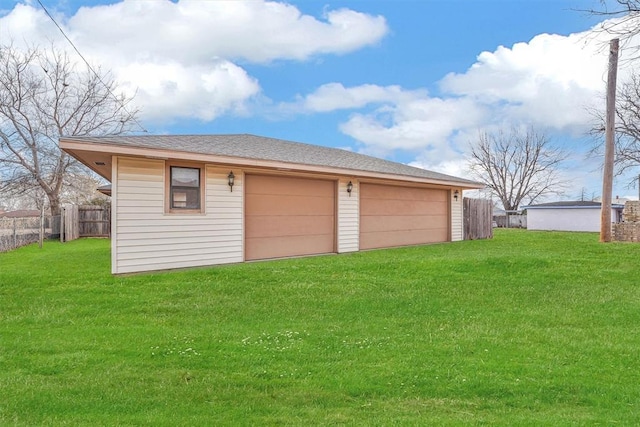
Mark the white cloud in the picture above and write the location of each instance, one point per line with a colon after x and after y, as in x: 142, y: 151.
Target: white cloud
x: 334, y: 96
x: 418, y: 124
x: 172, y: 90
x: 191, y: 31
x: 454, y: 167
x: 552, y: 81
x: 25, y: 24
x: 183, y: 57
x: 399, y: 119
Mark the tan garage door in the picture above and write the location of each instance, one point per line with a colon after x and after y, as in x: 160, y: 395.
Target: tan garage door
x: 397, y: 216
x: 287, y: 216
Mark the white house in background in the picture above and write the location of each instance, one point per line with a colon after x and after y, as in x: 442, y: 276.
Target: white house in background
x: 197, y: 200
x: 569, y: 216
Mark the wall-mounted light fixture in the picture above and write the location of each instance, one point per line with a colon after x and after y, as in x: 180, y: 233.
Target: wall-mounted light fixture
x: 231, y: 178
x: 349, y: 188
x: 455, y: 195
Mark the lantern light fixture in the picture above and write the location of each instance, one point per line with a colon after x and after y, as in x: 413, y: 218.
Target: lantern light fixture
x: 349, y: 188
x: 231, y: 177
x: 455, y: 195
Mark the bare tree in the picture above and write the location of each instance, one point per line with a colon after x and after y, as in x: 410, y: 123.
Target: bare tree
x: 622, y: 22
x: 627, y: 128
x: 44, y: 95
x: 586, y: 196
x: 518, y: 167
x: 627, y: 148
x: 626, y: 27
x: 81, y: 189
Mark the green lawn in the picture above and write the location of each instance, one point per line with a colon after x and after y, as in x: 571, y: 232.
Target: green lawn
x: 530, y: 328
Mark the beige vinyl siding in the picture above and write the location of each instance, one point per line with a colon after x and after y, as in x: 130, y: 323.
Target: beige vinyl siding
x: 148, y: 239
x: 114, y: 217
x: 457, y: 232
x: 348, y: 217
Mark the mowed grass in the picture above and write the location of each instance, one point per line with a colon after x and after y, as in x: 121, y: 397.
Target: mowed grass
x: 530, y: 328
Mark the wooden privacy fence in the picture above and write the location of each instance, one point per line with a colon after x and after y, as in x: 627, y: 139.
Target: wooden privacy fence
x: 94, y: 221
x: 477, y: 218
x: 84, y: 221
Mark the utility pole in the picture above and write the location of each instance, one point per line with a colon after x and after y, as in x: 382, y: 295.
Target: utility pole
x: 607, y: 170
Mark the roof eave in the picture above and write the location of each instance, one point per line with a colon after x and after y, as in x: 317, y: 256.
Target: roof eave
x: 75, y: 147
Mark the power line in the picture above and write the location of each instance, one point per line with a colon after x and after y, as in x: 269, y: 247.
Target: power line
x: 90, y: 67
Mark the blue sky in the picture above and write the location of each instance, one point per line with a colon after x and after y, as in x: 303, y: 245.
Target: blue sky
x: 412, y: 81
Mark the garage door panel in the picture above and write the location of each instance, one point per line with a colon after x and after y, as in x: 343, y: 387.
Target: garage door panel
x: 402, y: 207
x: 388, y: 192
x: 288, y: 186
x: 402, y: 238
x: 288, y: 216
x: 269, y: 204
x: 401, y: 223
x: 285, y: 246
x: 283, y: 225
x: 398, y: 216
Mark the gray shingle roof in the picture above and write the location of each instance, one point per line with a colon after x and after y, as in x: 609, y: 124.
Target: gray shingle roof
x: 262, y: 148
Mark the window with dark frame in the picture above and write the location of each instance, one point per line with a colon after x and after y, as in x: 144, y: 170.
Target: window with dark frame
x: 185, y: 188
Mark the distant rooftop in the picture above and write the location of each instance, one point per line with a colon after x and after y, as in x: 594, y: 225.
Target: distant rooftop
x: 569, y: 204
x: 23, y: 213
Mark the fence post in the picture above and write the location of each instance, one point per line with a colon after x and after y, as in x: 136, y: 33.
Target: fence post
x: 62, y: 224
x: 15, y: 238
x: 74, y: 225
x: 41, y: 234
